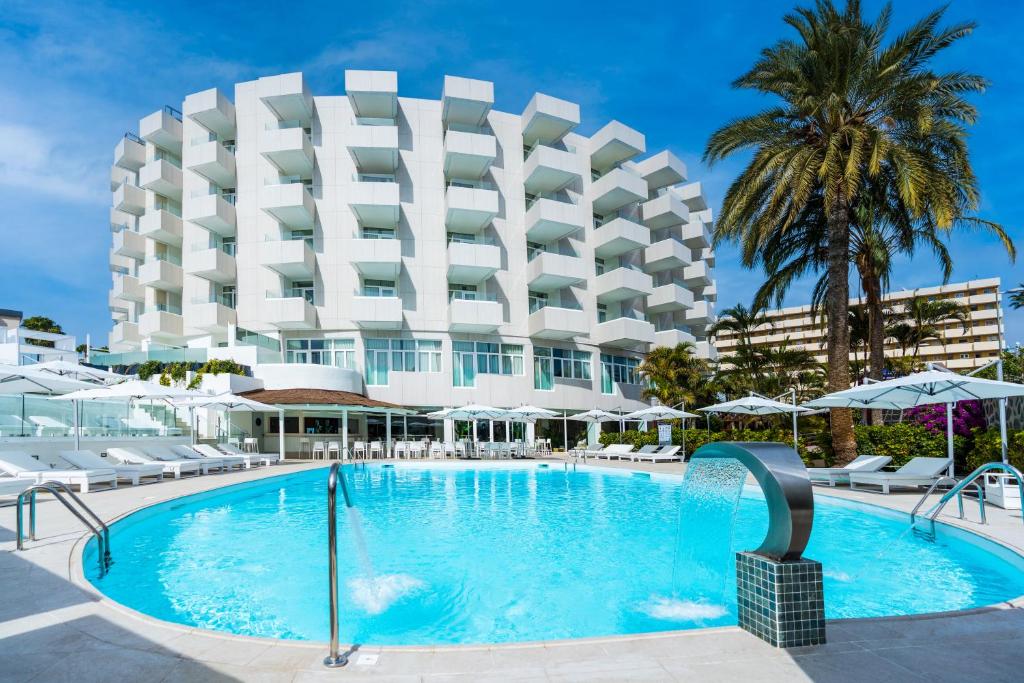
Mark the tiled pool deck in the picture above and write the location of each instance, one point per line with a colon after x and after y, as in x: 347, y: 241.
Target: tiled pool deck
x: 54, y: 629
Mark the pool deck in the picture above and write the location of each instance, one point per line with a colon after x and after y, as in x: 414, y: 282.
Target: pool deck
x: 54, y: 628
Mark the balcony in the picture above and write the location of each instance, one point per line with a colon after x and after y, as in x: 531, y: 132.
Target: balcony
x: 161, y: 274
x: 710, y: 292
x: 127, y: 288
x: 213, y: 264
x: 374, y: 148
x: 163, y: 129
x: 697, y: 275
x: 670, y: 297
x: 212, y: 212
x: 554, y: 322
x: 661, y: 170
x: 287, y: 96
x: 692, y: 195
x: 119, y: 220
x: 130, y: 199
x: 476, y: 316
x: 375, y: 203
x: 211, y: 316
x: 614, y: 144
x: 130, y: 153
x: 470, y: 263
x: 376, y: 259
x: 697, y: 234
x: 212, y: 110
x: 707, y: 350
x: 290, y: 258
x: 665, y: 255
x: 673, y: 338
x: 548, y: 169
x: 702, y: 313
x: 129, y: 243
x: 213, y: 161
x: 708, y: 256
x: 162, y: 177
x: 616, y: 189
x: 120, y: 175
x: 466, y: 100
x: 664, y: 211
x: 125, y: 333
x: 547, y: 119
x: 161, y: 225
x: 468, y: 154
x: 289, y: 149
x: 625, y: 333
x: 290, y: 203
x: 377, y: 312
x: 161, y: 325
x: 620, y: 284
x: 619, y: 236
x: 548, y: 220
x: 372, y: 94
x: 548, y: 271
x: 469, y: 209
x: 290, y: 313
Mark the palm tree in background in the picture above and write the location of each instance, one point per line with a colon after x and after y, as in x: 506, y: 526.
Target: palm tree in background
x: 743, y: 322
x: 925, y: 319
x: 676, y: 375
x: 852, y: 110
x: 1017, y: 297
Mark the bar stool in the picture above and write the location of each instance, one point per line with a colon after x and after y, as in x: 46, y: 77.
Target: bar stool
x: 305, y: 447
x: 319, y: 450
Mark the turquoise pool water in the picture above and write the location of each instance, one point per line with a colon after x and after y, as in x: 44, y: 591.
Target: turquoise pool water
x: 464, y: 554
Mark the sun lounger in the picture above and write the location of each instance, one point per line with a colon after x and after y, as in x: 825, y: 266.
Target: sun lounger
x: 193, y: 453
x: 47, y: 426
x: 616, y: 450
x: 12, y: 486
x: 166, y: 454
x: 176, y: 467
x: 663, y: 454
x: 23, y: 466
x: 133, y: 474
x: 267, y: 459
x: 917, y: 472
x: 838, y: 475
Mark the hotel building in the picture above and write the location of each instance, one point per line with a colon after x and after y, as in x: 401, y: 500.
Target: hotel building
x: 960, y: 349
x: 423, y: 252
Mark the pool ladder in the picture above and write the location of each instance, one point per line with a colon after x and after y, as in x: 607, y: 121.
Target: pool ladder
x: 75, y: 505
x: 957, y: 491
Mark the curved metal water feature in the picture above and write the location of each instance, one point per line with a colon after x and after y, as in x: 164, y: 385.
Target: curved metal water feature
x: 787, y: 489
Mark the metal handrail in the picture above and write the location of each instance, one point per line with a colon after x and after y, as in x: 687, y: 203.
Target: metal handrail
x: 102, y: 533
x: 334, y: 659
x: 934, y: 511
x: 959, y: 499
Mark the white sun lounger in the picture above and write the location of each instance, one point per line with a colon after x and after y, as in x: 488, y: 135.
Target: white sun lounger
x: 176, y: 467
x: 133, y: 474
x: 620, y: 451
x: 664, y: 454
x: 917, y: 472
x: 12, y: 486
x: 193, y: 453
x: 165, y: 453
x: 267, y: 459
x: 838, y: 475
x: 24, y: 466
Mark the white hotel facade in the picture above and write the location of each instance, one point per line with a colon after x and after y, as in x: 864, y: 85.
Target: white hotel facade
x: 427, y: 253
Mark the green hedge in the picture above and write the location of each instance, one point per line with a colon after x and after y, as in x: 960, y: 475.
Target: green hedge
x: 986, y: 449
x: 905, y: 441
x: 695, y: 438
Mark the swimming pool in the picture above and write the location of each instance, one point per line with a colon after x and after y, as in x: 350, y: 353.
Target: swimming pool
x: 465, y: 553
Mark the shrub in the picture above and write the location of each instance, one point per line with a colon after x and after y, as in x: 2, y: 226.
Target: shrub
x: 217, y: 366
x: 967, y: 416
x: 986, y: 448
x: 149, y: 368
x: 904, y: 441
x: 695, y: 438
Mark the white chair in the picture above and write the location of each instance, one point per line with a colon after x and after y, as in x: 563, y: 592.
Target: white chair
x: 305, y: 446
x: 839, y: 475
x: 376, y: 450
x: 359, y: 449
x: 134, y: 456
x: 918, y: 472
x: 416, y: 449
x: 25, y: 467
x: 250, y: 445
x: 335, y: 448
x: 265, y: 458
x: 402, y: 449
x: 319, y: 450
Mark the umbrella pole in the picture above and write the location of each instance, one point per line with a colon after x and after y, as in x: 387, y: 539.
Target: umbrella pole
x: 280, y: 433
x: 565, y: 431
x: 1002, y: 414
x: 78, y: 431
x: 796, y: 441
x: 949, y: 436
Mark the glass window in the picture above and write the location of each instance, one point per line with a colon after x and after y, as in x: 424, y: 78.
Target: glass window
x: 304, y: 289
x: 463, y: 365
x: 617, y: 370
x: 384, y: 288
x: 483, y: 358
x: 538, y: 300
x: 400, y: 355
x: 340, y: 353
x: 549, y: 363
x: 378, y: 233
x: 467, y: 292
x: 377, y: 362
x: 602, y: 313
x: 543, y: 380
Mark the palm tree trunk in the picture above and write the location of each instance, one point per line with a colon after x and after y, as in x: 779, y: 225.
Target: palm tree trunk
x: 876, y: 335
x: 837, y: 304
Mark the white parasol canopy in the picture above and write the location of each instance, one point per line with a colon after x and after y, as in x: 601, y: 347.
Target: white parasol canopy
x: 80, y: 372
x: 657, y: 413
x: 595, y: 415
x: 529, y: 414
x: 19, y: 379
x: 758, y: 405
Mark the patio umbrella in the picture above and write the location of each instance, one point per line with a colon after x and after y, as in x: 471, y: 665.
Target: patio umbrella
x: 19, y: 379
x: 923, y: 388
x: 757, y: 405
x: 530, y: 414
x: 80, y: 372
x: 229, y: 402
x: 470, y: 413
x: 593, y: 416
x: 657, y: 413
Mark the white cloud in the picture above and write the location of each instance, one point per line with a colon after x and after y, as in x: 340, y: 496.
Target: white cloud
x: 29, y: 160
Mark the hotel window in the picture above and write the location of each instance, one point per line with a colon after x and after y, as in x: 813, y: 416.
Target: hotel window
x: 340, y: 353
x: 599, y: 266
x: 463, y: 364
x: 378, y: 233
x: 470, y: 359
x: 226, y: 295
x: 538, y: 300
x: 549, y: 363
x: 617, y: 370
x: 461, y: 238
x: 384, y: 356
x: 602, y: 313
x: 382, y: 288
x: 467, y: 292
x: 302, y: 289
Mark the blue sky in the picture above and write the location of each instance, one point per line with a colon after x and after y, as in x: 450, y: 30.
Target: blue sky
x: 75, y: 76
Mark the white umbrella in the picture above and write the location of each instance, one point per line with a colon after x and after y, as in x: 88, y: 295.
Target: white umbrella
x: 923, y: 388
x: 476, y: 412
x: 530, y: 414
x: 18, y: 379
x: 80, y: 372
x: 758, y: 405
x: 229, y: 402
x: 657, y: 413
x: 595, y: 415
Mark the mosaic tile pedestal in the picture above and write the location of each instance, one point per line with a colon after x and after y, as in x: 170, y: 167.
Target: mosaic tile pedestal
x: 782, y: 603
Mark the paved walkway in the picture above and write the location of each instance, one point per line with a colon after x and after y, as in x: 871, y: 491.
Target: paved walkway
x: 54, y: 629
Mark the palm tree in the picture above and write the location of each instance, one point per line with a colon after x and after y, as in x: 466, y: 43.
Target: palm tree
x: 676, y: 375
x: 853, y: 111
x: 925, y: 319
x: 1017, y: 297
x: 743, y: 322
x: 859, y: 331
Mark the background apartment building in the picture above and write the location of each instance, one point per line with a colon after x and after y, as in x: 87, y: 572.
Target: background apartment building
x: 388, y: 240
x: 960, y: 348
